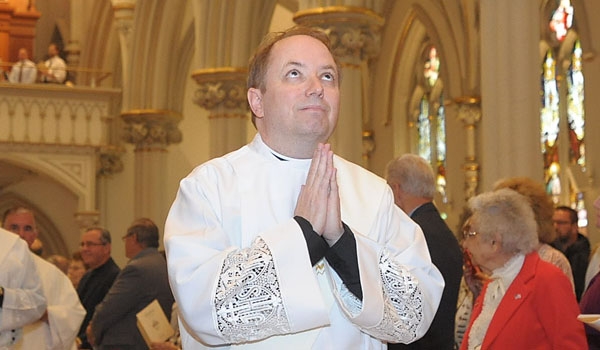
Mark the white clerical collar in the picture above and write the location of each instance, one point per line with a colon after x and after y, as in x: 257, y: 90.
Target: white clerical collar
x: 261, y: 147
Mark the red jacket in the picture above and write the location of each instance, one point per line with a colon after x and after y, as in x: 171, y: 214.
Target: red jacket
x: 538, y: 311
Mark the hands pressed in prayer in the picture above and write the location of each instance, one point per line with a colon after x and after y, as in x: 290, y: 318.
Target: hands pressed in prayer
x: 319, y: 199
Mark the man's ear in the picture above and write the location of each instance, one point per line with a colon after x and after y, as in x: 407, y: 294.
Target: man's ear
x: 255, y: 102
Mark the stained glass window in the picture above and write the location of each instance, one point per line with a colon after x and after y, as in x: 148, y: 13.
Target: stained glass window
x: 431, y: 123
x: 575, y: 111
x: 562, y: 19
x: 424, y: 128
x: 562, y: 111
x: 550, y: 118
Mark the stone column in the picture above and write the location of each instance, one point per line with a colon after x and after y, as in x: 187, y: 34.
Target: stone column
x: 469, y: 112
x: 510, y: 85
x: 355, y: 36
x: 151, y: 131
x: 73, y: 47
x: 222, y: 91
x: 108, y: 163
x: 123, y: 12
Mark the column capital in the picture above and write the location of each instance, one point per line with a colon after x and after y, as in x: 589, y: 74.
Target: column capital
x: 469, y: 109
x: 123, y: 12
x: 221, y: 88
x: 151, y: 128
x: 109, y: 160
x: 87, y: 219
x: 355, y: 32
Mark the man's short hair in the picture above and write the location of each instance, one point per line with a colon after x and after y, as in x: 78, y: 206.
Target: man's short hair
x: 146, y: 232
x: 572, y: 213
x: 105, y: 237
x: 17, y: 209
x: 413, y: 174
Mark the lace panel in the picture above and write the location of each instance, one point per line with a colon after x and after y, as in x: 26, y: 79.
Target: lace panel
x: 351, y: 302
x: 403, y: 309
x: 248, y: 299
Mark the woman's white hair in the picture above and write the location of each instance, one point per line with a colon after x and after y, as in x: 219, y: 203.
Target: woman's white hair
x: 505, y: 215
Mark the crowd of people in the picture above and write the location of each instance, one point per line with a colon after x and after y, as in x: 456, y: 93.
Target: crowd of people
x: 283, y: 244
x: 24, y: 71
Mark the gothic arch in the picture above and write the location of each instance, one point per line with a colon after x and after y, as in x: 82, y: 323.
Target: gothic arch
x: 101, y: 46
x: 421, y: 23
x: 80, y: 182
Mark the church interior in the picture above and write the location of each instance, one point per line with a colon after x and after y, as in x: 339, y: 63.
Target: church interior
x: 482, y: 89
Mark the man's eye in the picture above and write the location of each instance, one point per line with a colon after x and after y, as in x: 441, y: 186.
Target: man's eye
x: 328, y: 77
x: 293, y: 73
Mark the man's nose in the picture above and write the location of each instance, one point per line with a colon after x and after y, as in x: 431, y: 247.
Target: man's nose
x: 315, y: 87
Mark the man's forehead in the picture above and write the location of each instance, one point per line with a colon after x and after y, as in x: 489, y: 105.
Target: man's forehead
x: 92, y: 234
x: 22, y: 216
x: 294, y: 48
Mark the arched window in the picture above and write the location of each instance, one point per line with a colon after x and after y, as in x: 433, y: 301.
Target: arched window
x: 562, y: 109
x: 430, y: 123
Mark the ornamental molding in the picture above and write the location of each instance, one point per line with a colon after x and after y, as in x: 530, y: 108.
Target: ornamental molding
x: 469, y: 110
x: 354, y: 32
x: 221, y: 88
x: 151, y: 128
x: 109, y: 160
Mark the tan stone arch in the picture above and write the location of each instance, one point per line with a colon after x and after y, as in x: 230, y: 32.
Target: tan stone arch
x: 76, y: 173
x: 412, y: 27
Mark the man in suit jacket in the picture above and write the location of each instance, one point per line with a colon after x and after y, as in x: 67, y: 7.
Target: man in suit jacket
x: 114, y: 324
x: 95, y: 252
x: 413, y: 182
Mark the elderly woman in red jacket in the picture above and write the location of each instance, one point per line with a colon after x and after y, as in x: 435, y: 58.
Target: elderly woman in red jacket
x: 527, y: 303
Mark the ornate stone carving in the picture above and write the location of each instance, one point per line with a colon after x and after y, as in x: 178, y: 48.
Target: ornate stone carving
x: 221, y: 88
x: 109, y: 160
x: 87, y: 219
x: 151, y: 128
x: 469, y: 111
x: 354, y: 31
x: 123, y: 11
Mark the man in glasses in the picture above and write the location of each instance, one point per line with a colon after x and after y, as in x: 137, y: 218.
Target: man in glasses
x: 58, y: 326
x: 95, y: 248
x: 143, y: 279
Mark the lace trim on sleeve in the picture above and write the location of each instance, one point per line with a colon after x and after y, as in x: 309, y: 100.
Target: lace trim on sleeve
x: 351, y: 302
x: 248, y: 299
x: 403, y: 309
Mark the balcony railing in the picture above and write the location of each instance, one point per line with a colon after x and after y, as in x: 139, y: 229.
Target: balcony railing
x: 51, y: 114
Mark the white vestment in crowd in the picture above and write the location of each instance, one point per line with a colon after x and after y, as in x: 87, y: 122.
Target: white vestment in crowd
x: 240, y: 268
x: 24, y: 300
x: 65, y: 313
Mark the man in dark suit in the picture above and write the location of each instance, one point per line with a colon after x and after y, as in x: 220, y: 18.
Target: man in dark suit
x: 144, y: 278
x: 413, y: 182
x: 95, y: 249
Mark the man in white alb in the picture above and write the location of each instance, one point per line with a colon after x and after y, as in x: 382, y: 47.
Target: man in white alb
x: 58, y: 326
x: 281, y: 244
x: 22, y: 298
